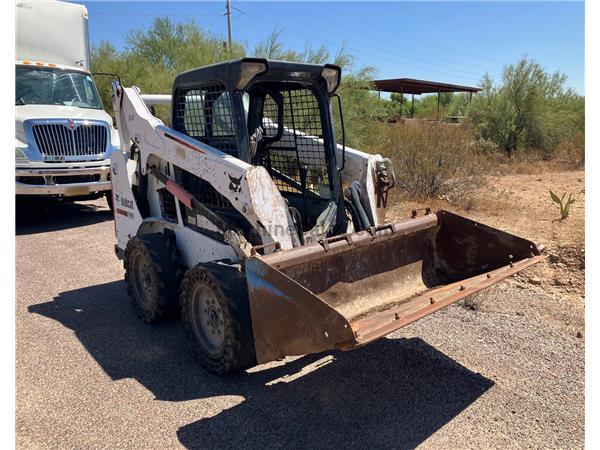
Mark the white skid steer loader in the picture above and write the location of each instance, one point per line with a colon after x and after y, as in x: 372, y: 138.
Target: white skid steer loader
x: 265, y: 235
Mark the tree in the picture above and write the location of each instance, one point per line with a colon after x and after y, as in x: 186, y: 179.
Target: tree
x: 459, y: 104
x: 154, y: 57
x: 530, y: 108
x: 272, y: 48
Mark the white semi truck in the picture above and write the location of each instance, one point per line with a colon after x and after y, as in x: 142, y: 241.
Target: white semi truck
x: 64, y: 137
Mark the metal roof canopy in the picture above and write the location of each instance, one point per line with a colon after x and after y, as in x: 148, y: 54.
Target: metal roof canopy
x: 418, y: 87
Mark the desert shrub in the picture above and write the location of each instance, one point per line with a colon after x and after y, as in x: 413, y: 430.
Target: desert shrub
x: 486, y: 148
x: 570, y: 152
x: 426, y: 106
x: 434, y: 159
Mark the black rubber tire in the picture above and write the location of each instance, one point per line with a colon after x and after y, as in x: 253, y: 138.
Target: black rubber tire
x: 156, y: 298
x: 109, y: 200
x: 227, y: 285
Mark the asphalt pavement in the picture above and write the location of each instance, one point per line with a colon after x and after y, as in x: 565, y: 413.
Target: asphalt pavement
x: 91, y: 375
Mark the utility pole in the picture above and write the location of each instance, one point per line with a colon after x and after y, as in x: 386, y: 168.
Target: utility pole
x: 228, y: 14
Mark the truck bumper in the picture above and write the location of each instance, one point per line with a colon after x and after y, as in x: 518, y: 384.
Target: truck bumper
x: 66, y: 182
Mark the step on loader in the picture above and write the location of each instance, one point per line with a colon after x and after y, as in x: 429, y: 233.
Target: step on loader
x: 268, y: 236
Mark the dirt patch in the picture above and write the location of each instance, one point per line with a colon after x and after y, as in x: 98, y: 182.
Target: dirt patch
x: 521, y: 204
x: 526, y: 333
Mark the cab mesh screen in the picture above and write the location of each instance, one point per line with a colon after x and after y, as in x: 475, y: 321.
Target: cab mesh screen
x: 204, y: 113
x: 300, y: 148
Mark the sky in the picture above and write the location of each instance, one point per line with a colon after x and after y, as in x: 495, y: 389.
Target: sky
x: 453, y: 42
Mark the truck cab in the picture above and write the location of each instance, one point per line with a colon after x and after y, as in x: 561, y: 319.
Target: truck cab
x: 63, y: 136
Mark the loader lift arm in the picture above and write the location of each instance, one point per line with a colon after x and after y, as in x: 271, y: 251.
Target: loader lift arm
x: 158, y: 145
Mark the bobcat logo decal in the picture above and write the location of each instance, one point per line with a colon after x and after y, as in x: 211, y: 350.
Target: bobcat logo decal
x: 235, y: 184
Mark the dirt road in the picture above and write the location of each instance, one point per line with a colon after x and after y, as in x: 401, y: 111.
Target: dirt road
x: 509, y: 373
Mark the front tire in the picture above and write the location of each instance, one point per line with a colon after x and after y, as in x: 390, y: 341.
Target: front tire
x: 153, y: 276
x: 216, y: 316
x: 109, y: 200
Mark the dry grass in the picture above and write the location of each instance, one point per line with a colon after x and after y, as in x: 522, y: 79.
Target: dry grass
x: 568, y: 155
x: 433, y: 160
x: 447, y: 167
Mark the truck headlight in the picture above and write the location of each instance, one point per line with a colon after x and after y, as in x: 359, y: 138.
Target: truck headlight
x: 20, y: 155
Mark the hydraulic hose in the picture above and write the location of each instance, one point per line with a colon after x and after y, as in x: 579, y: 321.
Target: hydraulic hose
x: 365, y: 222
x: 355, y: 219
x: 298, y: 223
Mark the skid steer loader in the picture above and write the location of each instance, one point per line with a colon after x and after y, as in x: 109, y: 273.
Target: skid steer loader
x: 267, y: 236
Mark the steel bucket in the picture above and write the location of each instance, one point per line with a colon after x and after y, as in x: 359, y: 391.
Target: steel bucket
x: 349, y: 290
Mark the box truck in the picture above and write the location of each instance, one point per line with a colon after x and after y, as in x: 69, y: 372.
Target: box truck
x: 64, y: 137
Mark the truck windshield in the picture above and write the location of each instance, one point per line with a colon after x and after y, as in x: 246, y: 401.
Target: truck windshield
x: 46, y: 86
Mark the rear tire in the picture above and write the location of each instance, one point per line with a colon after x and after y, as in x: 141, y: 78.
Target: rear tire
x: 153, y: 276
x: 216, y: 316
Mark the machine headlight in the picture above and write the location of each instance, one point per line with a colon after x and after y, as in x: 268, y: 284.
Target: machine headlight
x: 248, y: 70
x: 332, y: 75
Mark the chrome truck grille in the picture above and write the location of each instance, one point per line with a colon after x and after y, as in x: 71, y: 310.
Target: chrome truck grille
x: 57, y: 141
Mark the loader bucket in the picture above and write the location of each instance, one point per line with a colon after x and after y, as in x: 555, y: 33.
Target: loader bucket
x: 346, y: 291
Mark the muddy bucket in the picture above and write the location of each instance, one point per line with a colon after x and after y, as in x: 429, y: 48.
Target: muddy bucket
x: 349, y: 290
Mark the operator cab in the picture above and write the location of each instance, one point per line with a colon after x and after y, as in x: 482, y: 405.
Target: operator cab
x: 273, y: 114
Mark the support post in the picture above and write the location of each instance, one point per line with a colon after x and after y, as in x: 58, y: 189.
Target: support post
x: 401, y: 102
x: 412, y: 107
x: 438, y: 106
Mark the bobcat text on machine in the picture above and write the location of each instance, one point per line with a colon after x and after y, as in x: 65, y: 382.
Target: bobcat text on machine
x: 266, y: 235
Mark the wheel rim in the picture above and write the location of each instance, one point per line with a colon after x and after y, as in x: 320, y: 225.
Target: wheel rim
x: 208, y: 319
x: 142, y: 280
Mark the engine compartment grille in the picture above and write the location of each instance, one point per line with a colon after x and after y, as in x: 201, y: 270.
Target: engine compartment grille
x: 62, y: 140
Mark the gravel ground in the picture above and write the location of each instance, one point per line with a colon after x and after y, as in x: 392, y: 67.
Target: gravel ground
x: 508, y: 374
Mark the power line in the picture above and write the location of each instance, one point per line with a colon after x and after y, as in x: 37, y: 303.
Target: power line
x: 449, y: 71
x: 445, y: 48
x: 369, y: 54
x: 105, y: 13
x: 494, y: 70
x: 386, y: 50
x: 470, y: 55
